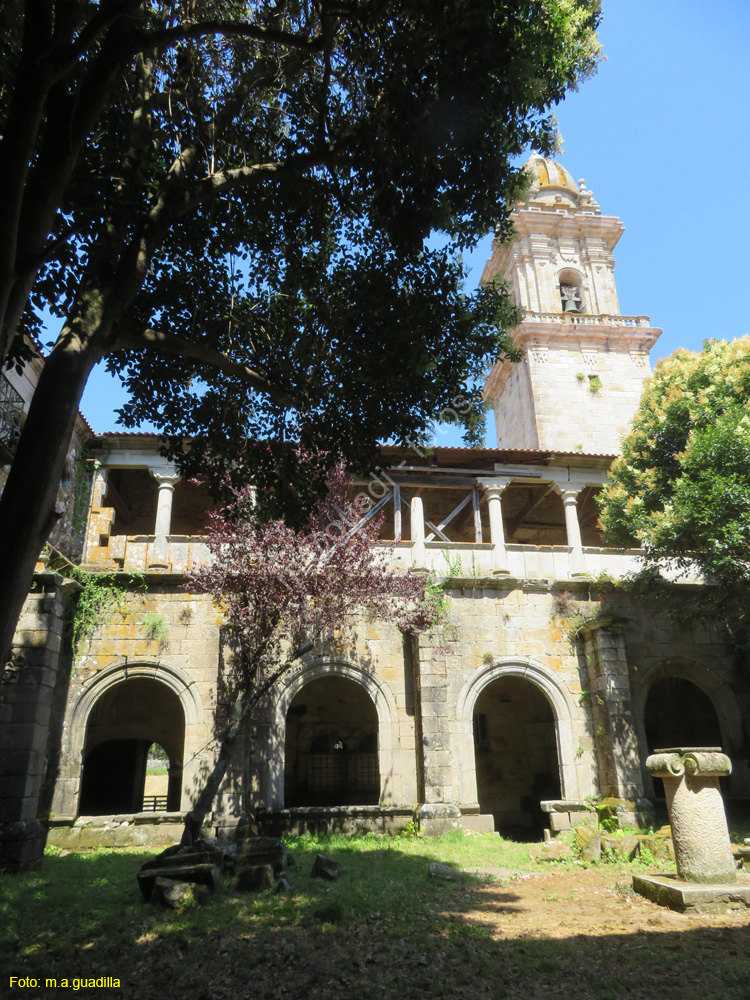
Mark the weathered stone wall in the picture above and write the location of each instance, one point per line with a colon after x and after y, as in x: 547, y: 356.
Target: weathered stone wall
x: 515, y: 753
x: 570, y: 416
x: 502, y: 629
x: 515, y: 414
x: 185, y: 658
x: 332, y: 721
x: 425, y: 695
x: 551, y: 401
x: 379, y: 660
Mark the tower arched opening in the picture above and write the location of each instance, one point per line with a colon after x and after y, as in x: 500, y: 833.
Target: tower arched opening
x: 570, y: 284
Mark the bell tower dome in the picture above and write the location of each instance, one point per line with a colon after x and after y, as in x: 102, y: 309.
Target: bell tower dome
x: 580, y: 380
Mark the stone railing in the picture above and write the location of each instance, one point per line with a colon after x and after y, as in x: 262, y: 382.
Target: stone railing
x: 584, y: 319
x: 142, y: 553
x: 524, y: 562
x: 137, y: 554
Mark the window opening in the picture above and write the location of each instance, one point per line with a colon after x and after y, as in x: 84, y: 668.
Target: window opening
x: 481, y: 738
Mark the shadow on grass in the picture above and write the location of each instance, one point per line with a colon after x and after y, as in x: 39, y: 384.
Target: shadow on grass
x: 385, y: 928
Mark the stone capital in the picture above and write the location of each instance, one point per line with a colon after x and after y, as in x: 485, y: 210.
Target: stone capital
x: 569, y: 494
x: 703, y: 762
x: 165, y: 477
x: 494, y: 487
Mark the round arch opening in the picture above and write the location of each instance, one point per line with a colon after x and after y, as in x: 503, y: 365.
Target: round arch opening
x: 331, y: 746
x: 126, y: 724
x: 515, y: 752
x: 570, y: 283
x: 678, y: 713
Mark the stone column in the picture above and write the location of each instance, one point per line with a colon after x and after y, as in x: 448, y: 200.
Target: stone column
x: 611, y: 707
x: 703, y: 850
x: 419, y: 551
x: 573, y: 531
x: 438, y: 812
x: 27, y: 693
x: 494, y: 490
x: 167, y: 479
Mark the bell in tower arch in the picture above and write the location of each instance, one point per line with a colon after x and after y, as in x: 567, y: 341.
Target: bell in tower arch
x: 570, y: 296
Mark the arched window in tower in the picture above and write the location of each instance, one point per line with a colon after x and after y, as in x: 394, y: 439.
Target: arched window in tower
x: 571, y: 292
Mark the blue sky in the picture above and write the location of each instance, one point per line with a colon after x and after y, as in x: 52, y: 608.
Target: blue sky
x: 662, y: 137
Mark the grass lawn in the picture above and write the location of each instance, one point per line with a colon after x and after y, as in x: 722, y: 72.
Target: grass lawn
x: 384, y: 929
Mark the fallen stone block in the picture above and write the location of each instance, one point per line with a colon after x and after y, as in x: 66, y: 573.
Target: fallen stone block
x: 262, y: 851
x: 254, y: 878
x: 626, y: 812
x: 564, y: 805
x: 324, y: 868
x: 202, y: 874
x: 173, y: 895
x: 589, y: 843
x: 445, y: 872
x: 660, y: 846
x: 552, y: 850
x: 624, y: 848
x: 559, y: 821
x: 185, y: 858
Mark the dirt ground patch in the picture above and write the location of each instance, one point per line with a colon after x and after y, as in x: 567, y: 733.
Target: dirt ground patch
x: 581, y: 901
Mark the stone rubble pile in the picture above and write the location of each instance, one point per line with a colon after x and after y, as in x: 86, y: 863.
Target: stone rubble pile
x: 183, y: 874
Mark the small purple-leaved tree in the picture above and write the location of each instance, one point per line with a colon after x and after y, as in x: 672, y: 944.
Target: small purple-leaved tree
x: 286, y: 592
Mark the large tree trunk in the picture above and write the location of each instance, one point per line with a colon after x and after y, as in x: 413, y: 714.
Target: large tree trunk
x: 27, y: 505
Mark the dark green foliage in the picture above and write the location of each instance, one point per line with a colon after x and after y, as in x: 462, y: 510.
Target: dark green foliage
x: 231, y: 204
x: 271, y: 202
x: 682, y: 486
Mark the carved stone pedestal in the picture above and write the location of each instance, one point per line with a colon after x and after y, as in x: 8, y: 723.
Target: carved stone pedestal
x: 707, y: 878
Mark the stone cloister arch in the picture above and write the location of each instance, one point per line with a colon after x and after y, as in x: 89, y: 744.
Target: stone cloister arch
x: 272, y: 784
x: 83, y: 702
x: 571, y: 781
x: 723, y: 699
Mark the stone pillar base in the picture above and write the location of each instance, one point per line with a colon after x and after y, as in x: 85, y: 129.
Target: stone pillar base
x: 668, y: 890
x: 478, y: 823
x: 22, y: 845
x: 437, y: 818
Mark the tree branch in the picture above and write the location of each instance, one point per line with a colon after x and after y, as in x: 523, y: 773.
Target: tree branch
x: 269, y: 683
x: 226, y: 180
x: 168, y: 36
x: 63, y: 62
x: 165, y: 343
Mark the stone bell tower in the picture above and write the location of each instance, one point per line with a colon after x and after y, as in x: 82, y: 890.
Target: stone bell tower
x: 584, y: 364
